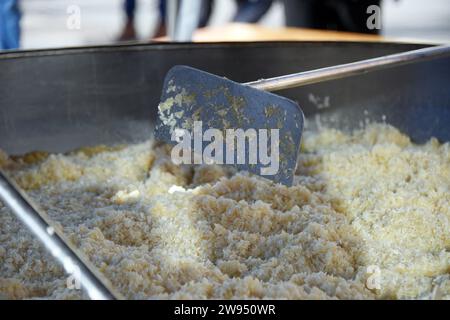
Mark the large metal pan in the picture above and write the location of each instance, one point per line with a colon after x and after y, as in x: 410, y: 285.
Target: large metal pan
x: 57, y: 100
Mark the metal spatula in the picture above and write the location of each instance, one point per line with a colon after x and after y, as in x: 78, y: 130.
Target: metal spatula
x: 194, y: 101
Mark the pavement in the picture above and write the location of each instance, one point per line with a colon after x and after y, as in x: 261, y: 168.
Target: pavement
x: 50, y: 23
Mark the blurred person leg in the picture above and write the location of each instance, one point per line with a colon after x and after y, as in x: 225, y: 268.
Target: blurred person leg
x: 129, y: 32
x: 251, y: 11
x: 161, y: 31
x: 205, y: 14
x: 340, y: 15
x: 207, y: 6
x: 303, y: 14
x: 9, y: 24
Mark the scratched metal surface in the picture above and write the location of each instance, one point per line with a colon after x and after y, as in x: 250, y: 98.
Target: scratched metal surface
x: 57, y: 100
x: 191, y: 96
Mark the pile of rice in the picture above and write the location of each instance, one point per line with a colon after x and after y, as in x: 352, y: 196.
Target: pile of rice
x: 367, y: 218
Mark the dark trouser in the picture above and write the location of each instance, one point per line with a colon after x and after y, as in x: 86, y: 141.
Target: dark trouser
x: 251, y: 11
x: 130, y: 8
x: 341, y: 15
x: 205, y: 14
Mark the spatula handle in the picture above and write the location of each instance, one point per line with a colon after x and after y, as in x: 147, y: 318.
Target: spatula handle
x: 349, y: 69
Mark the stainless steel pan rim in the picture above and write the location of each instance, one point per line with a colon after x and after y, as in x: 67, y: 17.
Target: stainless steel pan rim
x: 60, y: 99
x: 10, y: 54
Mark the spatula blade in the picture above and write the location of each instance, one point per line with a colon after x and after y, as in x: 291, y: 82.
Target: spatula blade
x: 194, y: 101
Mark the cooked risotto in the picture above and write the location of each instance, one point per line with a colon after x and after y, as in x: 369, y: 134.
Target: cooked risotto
x: 367, y: 218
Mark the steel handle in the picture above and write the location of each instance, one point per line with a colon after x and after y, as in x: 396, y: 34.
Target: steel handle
x: 349, y: 69
x: 73, y: 261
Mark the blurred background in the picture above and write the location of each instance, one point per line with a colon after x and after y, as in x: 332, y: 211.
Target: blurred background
x: 31, y: 24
